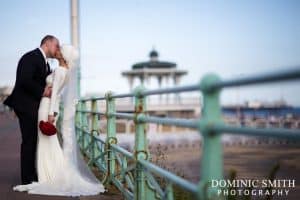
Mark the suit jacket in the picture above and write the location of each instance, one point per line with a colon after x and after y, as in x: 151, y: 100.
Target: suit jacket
x: 30, y: 82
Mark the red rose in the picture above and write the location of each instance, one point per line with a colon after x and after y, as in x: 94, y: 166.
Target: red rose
x: 47, y: 128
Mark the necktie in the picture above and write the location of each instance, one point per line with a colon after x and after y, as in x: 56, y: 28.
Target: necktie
x: 48, y: 68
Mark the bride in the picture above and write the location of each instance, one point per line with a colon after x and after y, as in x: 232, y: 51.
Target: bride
x: 61, y: 170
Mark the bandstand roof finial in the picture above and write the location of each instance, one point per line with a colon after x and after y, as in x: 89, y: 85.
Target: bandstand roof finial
x: 153, y: 54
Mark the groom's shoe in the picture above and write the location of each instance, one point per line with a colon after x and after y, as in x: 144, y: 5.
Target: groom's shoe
x: 28, y: 181
x: 35, y: 179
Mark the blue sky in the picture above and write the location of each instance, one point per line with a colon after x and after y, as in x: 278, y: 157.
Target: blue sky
x: 231, y: 38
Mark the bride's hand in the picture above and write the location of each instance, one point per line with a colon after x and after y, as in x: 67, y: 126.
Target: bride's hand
x: 51, y: 119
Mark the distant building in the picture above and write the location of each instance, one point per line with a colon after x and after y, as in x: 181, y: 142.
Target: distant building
x: 161, y: 70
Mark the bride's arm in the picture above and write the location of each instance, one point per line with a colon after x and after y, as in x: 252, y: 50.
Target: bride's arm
x: 57, y: 82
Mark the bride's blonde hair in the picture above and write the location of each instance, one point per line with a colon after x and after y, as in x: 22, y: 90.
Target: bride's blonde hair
x: 70, y: 54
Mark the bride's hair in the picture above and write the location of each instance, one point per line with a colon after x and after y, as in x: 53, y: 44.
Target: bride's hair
x: 70, y: 54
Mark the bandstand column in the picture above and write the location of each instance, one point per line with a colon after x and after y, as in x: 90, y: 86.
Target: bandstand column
x: 176, y: 79
x: 159, y: 80
x: 167, y: 85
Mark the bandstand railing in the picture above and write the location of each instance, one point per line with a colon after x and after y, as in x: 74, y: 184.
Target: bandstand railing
x: 132, y: 172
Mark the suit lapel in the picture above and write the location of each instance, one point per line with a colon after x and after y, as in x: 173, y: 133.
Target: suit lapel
x: 44, y: 65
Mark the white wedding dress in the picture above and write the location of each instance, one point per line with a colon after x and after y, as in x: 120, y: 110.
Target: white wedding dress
x: 61, y: 170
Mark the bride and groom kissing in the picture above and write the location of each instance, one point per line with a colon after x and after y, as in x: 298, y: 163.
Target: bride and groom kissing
x: 48, y: 167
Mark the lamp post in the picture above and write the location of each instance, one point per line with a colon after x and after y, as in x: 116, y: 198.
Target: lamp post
x: 75, y: 36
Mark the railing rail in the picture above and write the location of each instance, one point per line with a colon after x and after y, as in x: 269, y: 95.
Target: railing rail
x: 131, y: 172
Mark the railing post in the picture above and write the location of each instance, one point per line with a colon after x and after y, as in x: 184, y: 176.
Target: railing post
x: 94, y: 131
x: 111, y: 135
x: 84, y: 123
x: 78, y: 122
x: 141, y: 190
x: 212, y: 159
x: 169, y: 191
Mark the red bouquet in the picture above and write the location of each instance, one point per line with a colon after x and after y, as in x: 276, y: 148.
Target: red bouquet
x: 47, y: 128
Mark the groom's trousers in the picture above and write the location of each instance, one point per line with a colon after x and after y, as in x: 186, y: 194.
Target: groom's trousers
x: 28, y: 125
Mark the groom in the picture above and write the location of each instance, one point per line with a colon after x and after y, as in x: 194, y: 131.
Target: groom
x: 29, y: 88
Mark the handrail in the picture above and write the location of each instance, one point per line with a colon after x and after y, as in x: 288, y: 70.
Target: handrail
x: 283, y: 75
x: 123, y: 151
x: 150, y: 92
x: 289, y: 134
x: 107, y: 155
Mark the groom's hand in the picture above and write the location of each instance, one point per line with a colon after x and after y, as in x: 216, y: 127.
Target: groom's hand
x: 51, y: 119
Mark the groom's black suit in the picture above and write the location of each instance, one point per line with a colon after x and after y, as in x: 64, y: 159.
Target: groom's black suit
x: 25, y: 99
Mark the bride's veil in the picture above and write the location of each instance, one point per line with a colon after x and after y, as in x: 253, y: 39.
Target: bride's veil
x: 69, y: 99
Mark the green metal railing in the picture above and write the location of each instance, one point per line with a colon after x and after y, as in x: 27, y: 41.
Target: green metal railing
x: 132, y: 172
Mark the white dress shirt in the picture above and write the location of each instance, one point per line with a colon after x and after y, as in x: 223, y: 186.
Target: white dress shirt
x: 44, y: 55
